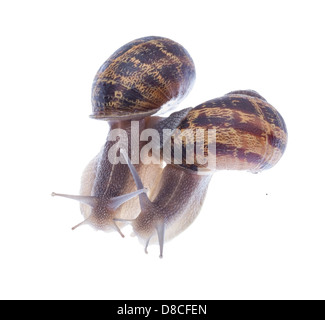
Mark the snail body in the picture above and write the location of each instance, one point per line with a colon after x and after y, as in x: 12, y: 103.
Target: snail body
x: 138, y: 80
x: 249, y: 134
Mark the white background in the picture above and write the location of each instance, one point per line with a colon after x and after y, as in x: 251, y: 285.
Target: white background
x: 257, y: 237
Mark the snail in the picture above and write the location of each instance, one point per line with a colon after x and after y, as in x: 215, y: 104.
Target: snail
x: 246, y: 133
x: 138, y: 80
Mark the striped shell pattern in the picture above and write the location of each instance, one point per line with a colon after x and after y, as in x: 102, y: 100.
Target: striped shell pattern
x: 141, y: 77
x: 249, y: 133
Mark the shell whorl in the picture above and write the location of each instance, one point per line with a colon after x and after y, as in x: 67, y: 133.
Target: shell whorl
x: 141, y: 77
x: 250, y: 133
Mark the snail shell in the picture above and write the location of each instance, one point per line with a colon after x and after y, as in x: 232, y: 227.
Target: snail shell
x: 250, y: 133
x: 141, y: 77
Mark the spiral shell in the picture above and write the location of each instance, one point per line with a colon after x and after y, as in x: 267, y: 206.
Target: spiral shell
x: 249, y: 133
x: 141, y: 77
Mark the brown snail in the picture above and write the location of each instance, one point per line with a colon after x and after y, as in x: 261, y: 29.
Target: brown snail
x: 138, y: 80
x: 246, y: 133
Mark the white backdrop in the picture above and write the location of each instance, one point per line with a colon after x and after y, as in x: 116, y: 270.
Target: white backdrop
x: 257, y: 237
